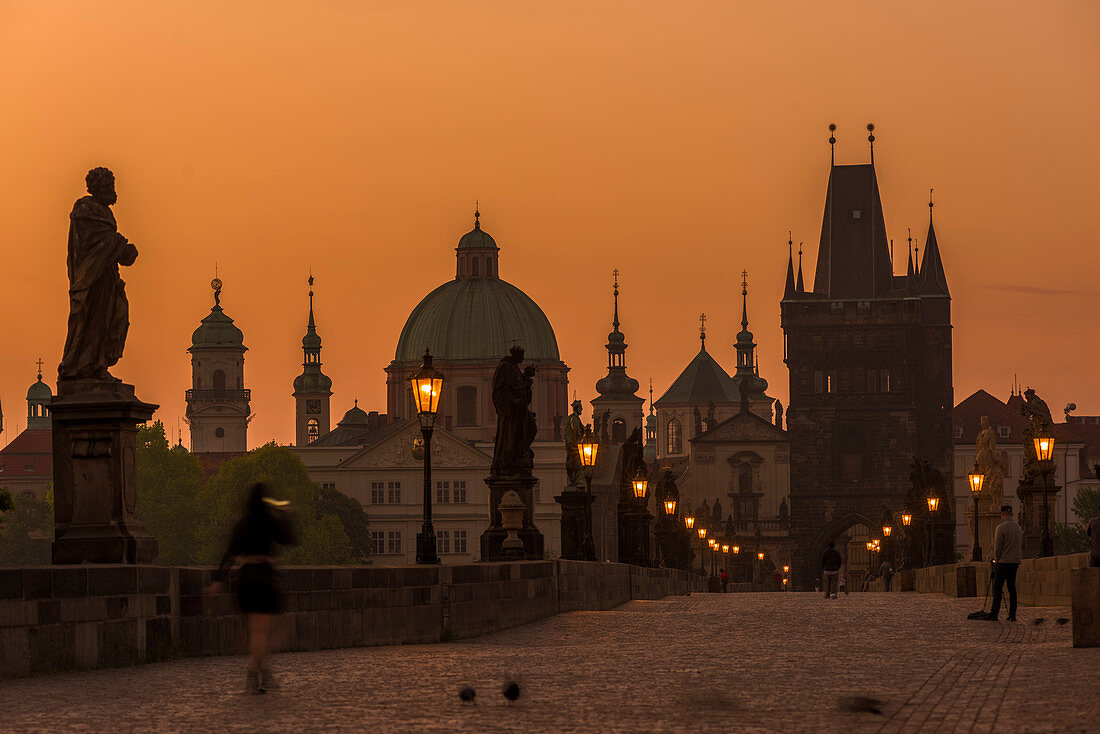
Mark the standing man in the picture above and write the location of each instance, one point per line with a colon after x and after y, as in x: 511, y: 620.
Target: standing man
x: 886, y: 571
x: 830, y: 569
x: 1007, y: 550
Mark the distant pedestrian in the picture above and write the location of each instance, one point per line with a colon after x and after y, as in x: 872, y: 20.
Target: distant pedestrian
x: 725, y: 579
x: 843, y: 585
x: 265, y: 524
x: 1094, y: 545
x: 831, y: 561
x: 1007, y: 551
x: 886, y: 571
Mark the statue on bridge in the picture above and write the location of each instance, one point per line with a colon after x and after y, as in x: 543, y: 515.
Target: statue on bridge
x: 516, y: 426
x: 572, y: 435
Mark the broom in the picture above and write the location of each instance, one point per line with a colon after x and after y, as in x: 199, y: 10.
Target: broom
x: 982, y: 613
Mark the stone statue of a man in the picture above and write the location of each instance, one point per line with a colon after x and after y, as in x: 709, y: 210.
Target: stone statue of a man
x: 572, y: 435
x: 991, y: 463
x: 516, y: 427
x: 99, y: 315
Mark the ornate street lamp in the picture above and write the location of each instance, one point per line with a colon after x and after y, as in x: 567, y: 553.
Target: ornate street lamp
x: 1044, y: 451
x: 670, y: 507
x: 587, y: 448
x: 933, y: 505
x: 427, y: 386
x: 702, y: 550
x: 640, y: 484
x: 975, y: 480
x: 736, y: 549
x: 689, y: 522
x: 886, y: 530
x: 906, y: 520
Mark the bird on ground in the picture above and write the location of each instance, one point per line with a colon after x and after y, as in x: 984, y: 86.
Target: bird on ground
x: 860, y: 704
x: 1062, y: 620
x: 510, y: 691
x: 1038, y: 621
x: 467, y: 694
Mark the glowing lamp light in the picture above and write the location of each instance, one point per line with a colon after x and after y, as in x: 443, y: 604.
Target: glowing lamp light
x: 786, y: 569
x: 976, y: 479
x: 760, y: 556
x: 587, y: 447
x: 933, y: 504
x: 725, y: 548
x: 427, y: 385
x: 785, y: 581
x: 870, y: 545
x: 702, y: 533
x: 670, y: 507
x: 1044, y: 447
x: 736, y: 549
x: 640, y: 485
x: 906, y: 520
x: 886, y: 530
x: 689, y: 522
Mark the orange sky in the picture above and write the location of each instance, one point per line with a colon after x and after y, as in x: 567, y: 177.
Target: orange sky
x: 676, y: 141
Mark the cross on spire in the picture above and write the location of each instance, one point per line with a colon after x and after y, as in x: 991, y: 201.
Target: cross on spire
x: 39, y: 363
x: 477, y: 214
x: 703, y: 329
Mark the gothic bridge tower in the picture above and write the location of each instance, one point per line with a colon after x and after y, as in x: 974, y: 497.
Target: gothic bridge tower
x: 869, y: 355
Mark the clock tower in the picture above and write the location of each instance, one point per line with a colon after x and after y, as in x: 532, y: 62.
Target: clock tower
x: 312, y: 388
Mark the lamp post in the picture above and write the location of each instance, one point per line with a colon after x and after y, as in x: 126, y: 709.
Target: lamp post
x: 702, y: 551
x: 427, y: 385
x: 640, y: 484
x: 587, y: 448
x: 887, y: 531
x: 933, y: 505
x: 975, y: 480
x: 1044, y: 451
x: 906, y: 521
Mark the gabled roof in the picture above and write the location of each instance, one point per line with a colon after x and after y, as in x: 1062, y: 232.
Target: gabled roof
x: 744, y: 426
x: 968, y: 415
x: 32, y: 448
x: 395, y: 449
x: 702, y: 381
x: 354, y: 434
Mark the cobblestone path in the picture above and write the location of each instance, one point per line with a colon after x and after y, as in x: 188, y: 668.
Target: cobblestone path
x: 731, y: 663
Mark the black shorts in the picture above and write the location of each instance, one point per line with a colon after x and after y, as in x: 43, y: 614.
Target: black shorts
x: 258, y: 589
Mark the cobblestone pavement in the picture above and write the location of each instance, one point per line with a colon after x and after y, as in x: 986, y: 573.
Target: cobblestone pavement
x: 735, y: 662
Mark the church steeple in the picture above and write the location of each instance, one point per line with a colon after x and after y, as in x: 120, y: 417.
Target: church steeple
x: 312, y: 388
x: 932, y: 280
x: 747, y: 376
x: 617, y: 391
x: 477, y: 253
x: 38, y: 402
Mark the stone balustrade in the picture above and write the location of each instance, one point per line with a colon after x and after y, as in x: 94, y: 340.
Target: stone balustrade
x: 55, y: 618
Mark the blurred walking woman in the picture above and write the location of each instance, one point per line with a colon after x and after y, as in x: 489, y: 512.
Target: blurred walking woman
x: 266, y: 524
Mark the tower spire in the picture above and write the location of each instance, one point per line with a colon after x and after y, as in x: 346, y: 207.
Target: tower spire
x: 871, y: 140
x: 788, y: 288
x: 311, y: 326
x: 744, y: 299
x: 477, y: 214
x: 615, y: 320
x: 800, y: 286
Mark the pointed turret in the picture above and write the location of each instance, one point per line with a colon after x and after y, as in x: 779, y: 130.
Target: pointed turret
x: 932, y: 280
x: 853, y: 259
x: 788, y: 288
x: 617, y: 389
x: 312, y: 388
x: 800, y: 286
x: 749, y: 383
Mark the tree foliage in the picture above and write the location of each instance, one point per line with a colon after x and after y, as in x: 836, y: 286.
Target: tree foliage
x: 1074, y: 538
x: 169, y: 484
x: 26, y: 531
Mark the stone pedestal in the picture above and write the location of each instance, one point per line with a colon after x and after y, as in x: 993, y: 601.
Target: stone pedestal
x: 1031, y: 512
x: 493, y: 538
x: 95, y: 487
x: 574, y: 519
x: 1085, y: 595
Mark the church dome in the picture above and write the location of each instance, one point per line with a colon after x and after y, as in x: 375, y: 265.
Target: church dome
x: 217, y: 331
x: 39, y: 392
x: 355, y: 417
x: 313, y: 382
x: 476, y: 317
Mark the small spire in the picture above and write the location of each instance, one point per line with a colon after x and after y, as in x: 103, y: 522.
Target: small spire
x: 909, y: 271
x: 477, y: 214
x: 703, y: 330
x: 744, y: 299
x: 650, y: 394
x: 832, y: 143
x: 800, y: 286
x: 871, y: 140
x: 930, y: 205
x: 788, y: 288
x: 312, y: 325
x: 615, y: 321
x: 357, y: 402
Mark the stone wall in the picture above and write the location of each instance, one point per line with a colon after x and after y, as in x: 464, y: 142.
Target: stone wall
x: 1039, y: 582
x: 56, y: 618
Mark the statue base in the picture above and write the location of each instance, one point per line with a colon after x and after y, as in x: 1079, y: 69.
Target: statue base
x: 633, y: 533
x: 574, y: 523
x: 1031, y: 513
x: 95, y: 487
x: 492, y: 540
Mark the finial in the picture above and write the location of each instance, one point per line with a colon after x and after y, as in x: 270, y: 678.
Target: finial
x: 790, y: 242
x: 39, y: 363
x: 744, y: 299
x: 615, y: 320
x: 871, y: 140
x: 477, y: 214
x: 216, y: 285
x: 703, y: 329
x: 832, y: 143
x: 357, y: 402
x: 930, y: 204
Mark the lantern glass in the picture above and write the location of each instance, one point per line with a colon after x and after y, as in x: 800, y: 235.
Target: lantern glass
x: 786, y: 569
x: 725, y: 548
x: 977, y: 479
x: 933, y: 503
x: 689, y: 522
x: 670, y: 507
x: 907, y: 520
x: 640, y: 485
x: 427, y: 386
x: 702, y: 533
x: 886, y: 530
x: 587, y: 447
x: 736, y: 549
x: 1044, y: 447
x: 760, y: 556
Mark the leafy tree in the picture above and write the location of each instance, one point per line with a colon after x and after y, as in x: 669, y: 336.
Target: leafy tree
x: 321, y: 537
x: 27, y: 531
x: 6, y: 502
x: 351, y: 515
x: 169, y: 488
x: 1074, y: 538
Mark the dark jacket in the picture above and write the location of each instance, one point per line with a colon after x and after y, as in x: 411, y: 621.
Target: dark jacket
x: 831, y: 560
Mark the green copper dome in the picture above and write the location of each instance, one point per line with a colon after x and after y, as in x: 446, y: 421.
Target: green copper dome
x: 217, y: 331
x: 39, y: 392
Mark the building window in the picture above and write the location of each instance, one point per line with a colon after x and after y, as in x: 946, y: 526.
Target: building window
x: 394, y: 490
x: 219, y: 379
x: 675, y: 437
x: 458, y: 491
x: 474, y: 267
x: 872, y: 381
x: 884, y: 380
x: 377, y: 493
x: 393, y: 542
x: 958, y: 431
x: 313, y: 430
x: 377, y: 542
x: 830, y: 382
x: 618, y: 431
x: 459, y: 541
x: 819, y: 382
x: 329, y: 485
x: 1004, y: 431
x: 466, y: 397
x: 442, y: 492
x: 443, y: 541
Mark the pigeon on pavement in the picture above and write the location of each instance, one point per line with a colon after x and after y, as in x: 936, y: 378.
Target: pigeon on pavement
x: 467, y: 694
x: 510, y: 691
x: 860, y: 704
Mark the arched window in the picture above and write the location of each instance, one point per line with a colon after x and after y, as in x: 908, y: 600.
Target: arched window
x: 466, y: 397
x: 489, y: 266
x: 313, y: 430
x: 219, y: 380
x: 675, y: 437
x: 618, y: 431
x: 474, y: 268
x: 744, y: 479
